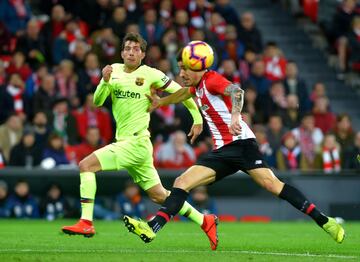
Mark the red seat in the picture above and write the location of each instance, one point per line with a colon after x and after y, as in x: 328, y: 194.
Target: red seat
x: 227, y: 218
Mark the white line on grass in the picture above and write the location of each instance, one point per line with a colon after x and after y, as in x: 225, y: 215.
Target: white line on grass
x: 129, y: 251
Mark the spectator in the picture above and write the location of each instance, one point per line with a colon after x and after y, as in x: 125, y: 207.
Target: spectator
x: 63, y: 122
x: 6, y: 102
x: 165, y: 11
x: 170, y: 45
x: 344, y: 132
x: 264, y: 146
x: 19, y: 66
x: 278, y: 101
x: 295, y: 85
x: 331, y: 155
x: 46, y: 6
x: 351, y: 158
x: 133, y: 10
x: 33, y: 82
x: 3, y: 74
x: 10, y: 134
x: 258, y: 79
x: 200, y: 199
x: 2, y: 160
x: 246, y: 63
x: 319, y: 90
x: 200, y: 12
x: 106, y: 45
x: 349, y: 48
x: 275, y: 131
x: 26, y: 154
x: 54, y: 153
x: 91, y: 116
x: 324, y: 119
x: 41, y: 129
x: 252, y: 105
x: 164, y: 65
x: 54, y: 205
x: 150, y: 28
x: 341, y: 21
x: 232, y: 48
x: 5, y: 210
x: 92, y: 142
x: 229, y: 71
x: 249, y: 34
x: 130, y: 201
x: 52, y: 29
x: 15, y: 90
x: 22, y: 203
x: 66, y: 81
x: 354, y: 45
x: 44, y: 97
x: 153, y: 55
x: 78, y: 51
x: 182, y: 26
x: 89, y: 77
x: 5, y: 39
x: 291, y: 116
x: 218, y: 27
x: 175, y: 153
x: 32, y: 44
x: 228, y: 12
x: 309, y: 138
x: 119, y: 22
x: 289, y: 155
x: 68, y: 42
x: 15, y: 15
x: 275, y: 63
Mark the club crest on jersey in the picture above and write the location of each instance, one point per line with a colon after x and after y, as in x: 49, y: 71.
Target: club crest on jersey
x: 139, y: 81
x: 204, y: 107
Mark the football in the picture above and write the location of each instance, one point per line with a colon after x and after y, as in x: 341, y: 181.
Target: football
x: 197, y: 55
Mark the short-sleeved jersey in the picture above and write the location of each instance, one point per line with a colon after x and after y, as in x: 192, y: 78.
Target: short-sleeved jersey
x: 216, y: 108
x: 129, y: 103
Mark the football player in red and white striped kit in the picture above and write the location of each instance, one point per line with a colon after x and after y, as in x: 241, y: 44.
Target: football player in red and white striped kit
x: 235, y: 149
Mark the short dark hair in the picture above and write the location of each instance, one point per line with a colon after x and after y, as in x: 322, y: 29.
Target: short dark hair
x: 179, y: 55
x: 134, y: 37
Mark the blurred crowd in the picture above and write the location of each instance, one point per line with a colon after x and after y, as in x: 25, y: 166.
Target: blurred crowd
x: 52, y: 53
x: 19, y: 202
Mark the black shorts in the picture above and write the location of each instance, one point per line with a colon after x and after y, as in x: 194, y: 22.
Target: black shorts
x: 241, y: 155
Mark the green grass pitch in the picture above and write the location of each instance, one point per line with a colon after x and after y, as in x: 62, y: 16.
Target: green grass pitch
x: 29, y: 240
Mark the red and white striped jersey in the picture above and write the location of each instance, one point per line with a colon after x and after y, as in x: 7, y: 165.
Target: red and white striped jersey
x: 216, y: 108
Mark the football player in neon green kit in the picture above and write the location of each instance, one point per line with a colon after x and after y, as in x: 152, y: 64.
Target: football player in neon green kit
x: 128, y: 85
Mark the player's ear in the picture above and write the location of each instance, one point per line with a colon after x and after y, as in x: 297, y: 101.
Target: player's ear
x: 143, y: 55
x: 122, y: 54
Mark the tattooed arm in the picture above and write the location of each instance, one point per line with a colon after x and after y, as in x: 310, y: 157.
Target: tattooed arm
x: 237, y: 99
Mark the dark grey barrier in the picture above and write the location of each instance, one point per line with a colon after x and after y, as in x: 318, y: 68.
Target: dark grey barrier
x: 337, y: 194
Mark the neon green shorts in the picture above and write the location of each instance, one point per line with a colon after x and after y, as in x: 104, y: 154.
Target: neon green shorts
x: 135, y: 155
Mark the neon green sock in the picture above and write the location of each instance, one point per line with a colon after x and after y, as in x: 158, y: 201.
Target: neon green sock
x: 87, y: 194
x: 190, y: 212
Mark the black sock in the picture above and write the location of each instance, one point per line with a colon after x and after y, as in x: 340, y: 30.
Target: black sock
x: 170, y: 208
x: 299, y: 201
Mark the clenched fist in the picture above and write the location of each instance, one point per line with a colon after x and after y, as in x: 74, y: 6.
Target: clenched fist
x: 106, y: 72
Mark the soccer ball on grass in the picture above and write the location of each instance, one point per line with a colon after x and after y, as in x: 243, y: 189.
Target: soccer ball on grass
x: 197, y: 56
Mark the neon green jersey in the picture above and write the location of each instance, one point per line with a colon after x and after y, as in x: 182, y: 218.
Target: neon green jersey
x: 129, y: 103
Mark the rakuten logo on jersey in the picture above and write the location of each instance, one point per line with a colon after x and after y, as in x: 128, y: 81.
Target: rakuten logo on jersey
x: 126, y: 94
